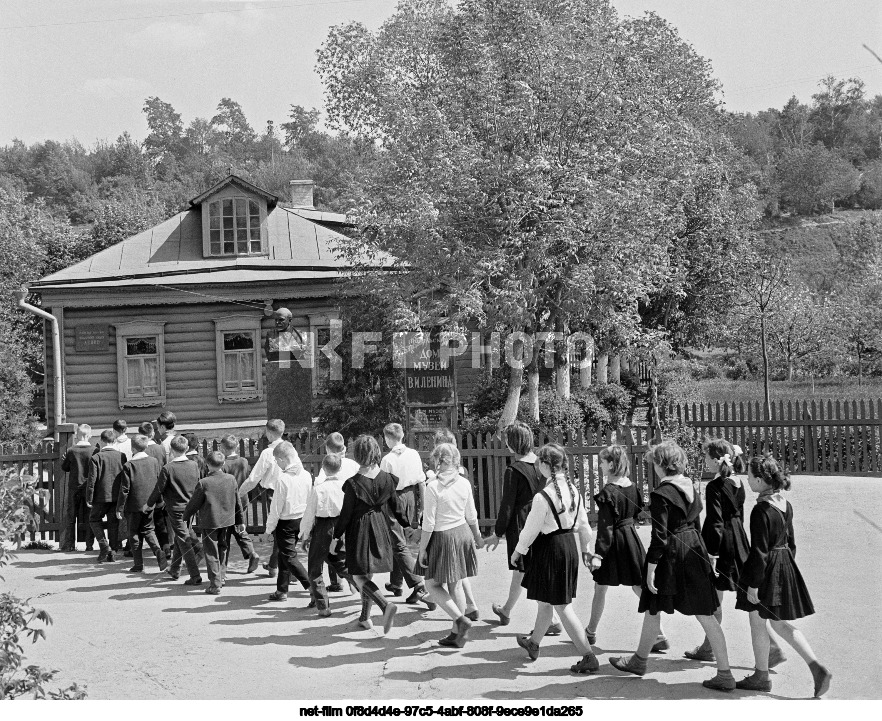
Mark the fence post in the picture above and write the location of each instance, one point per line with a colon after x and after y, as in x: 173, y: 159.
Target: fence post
x: 64, y: 508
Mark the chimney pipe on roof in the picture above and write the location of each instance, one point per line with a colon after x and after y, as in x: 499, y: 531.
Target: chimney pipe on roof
x: 301, y: 193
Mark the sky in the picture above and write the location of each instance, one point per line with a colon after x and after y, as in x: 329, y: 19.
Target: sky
x: 83, y: 68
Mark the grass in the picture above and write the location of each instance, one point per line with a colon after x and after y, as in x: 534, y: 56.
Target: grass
x: 723, y: 390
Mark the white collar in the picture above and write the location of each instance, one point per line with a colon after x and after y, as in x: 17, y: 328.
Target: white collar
x: 274, y: 443
x: 139, y: 454
x: 232, y: 455
x: 192, y: 453
x: 179, y: 459
x: 121, y: 439
x: 84, y: 443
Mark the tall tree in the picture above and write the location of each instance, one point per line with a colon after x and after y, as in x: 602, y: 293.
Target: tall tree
x: 536, y: 159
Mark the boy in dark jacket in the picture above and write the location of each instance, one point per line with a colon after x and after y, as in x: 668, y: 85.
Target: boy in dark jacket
x: 216, y: 501
x: 102, y: 492
x: 139, y: 477
x: 164, y: 534
x: 177, y: 481
x: 239, y: 469
x: 77, y: 462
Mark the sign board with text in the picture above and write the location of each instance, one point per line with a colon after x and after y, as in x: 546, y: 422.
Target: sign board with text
x: 92, y: 339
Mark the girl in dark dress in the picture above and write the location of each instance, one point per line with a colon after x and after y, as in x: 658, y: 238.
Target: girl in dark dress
x: 369, y: 501
x: 557, y: 518
x: 723, y: 532
x: 619, y: 555
x: 771, y: 587
x: 519, y: 485
x: 678, y: 575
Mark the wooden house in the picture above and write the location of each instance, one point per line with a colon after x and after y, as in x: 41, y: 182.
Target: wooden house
x: 186, y: 316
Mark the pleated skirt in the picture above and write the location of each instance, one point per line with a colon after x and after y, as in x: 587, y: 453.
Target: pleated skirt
x: 783, y: 594
x: 451, y: 555
x: 553, y: 571
x: 624, y: 561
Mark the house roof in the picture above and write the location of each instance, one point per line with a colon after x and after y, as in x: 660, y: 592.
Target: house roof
x: 299, y: 248
x: 232, y: 179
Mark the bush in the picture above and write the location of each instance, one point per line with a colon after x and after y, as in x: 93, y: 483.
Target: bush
x: 594, y: 414
x: 18, y: 619
x: 616, y: 400
x: 558, y: 414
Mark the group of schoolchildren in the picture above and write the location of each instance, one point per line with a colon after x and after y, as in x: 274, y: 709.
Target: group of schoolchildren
x: 375, y: 513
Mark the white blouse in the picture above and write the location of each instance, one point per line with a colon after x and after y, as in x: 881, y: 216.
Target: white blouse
x: 449, y: 503
x: 541, y: 518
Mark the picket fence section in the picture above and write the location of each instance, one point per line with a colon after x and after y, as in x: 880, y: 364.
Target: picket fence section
x: 484, y: 457
x: 810, y: 437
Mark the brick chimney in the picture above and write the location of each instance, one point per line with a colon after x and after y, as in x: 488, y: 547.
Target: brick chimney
x: 301, y: 193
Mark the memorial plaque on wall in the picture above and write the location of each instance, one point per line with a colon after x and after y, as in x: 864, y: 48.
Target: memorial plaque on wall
x: 92, y: 339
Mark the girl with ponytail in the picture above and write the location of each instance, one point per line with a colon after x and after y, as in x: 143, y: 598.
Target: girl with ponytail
x: 556, y: 516
x: 771, y: 588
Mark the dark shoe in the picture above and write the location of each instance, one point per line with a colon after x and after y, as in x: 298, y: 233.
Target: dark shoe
x: 271, y: 572
x: 701, y: 654
x: 463, y: 626
x: 335, y: 588
x: 127, y: 553
x: 470, y: 615
x: 110, y: 557
x: 449, y: 641
x: 721, y: 682
x: 776, y: 656
x: 171, y: 575
x: 420, y: 594
x: 660, y: 646
x: 136, y: 569
x: 324, y: 612
x: 822, y: 678
x: 591, y: 637
x: 389, y: 617
x: 629, y: 665
x: 102, y: 555
x: 530, y: 646
x: 555, y: 629
x: 311, y: 603
x: 278, y: 596
x: 755, y: 682
x: 394, y: 590
x: 213, y: 590
x: 503, y: 619
x: 193, y: 581
x: 253, y: 562
x: 588, y: 664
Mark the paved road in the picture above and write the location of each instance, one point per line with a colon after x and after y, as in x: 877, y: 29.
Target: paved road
x: 143, y: 636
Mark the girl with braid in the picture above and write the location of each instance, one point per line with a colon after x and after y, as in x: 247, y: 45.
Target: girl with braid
x: 557, y: 515
x: 771, y: 587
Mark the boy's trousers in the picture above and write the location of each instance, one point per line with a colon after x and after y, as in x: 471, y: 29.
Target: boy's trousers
x: 320, y: 542
x: 246, y: 545
x: 187, y: 547
x: 286, y: 535
x: 78, y: 519
x: 140, y: 531
x: 99, y: 510
x: 215, y: 546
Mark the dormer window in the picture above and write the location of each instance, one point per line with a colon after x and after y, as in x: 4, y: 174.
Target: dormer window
x: 234, y: 226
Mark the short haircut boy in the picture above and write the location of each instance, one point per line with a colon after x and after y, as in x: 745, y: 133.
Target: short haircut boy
x: 192, y: 441
x: 167, y: 420
x: 335, y: 443
x: 179, y: 444
x: 146, y: 429
x: 120, y: 425
x: 331, y: 464
x: 84, y: 430
x: 139, y: 443
x: 108, y: 436
x: 230, y: 444
x: 276, y: 425
x: 215, y: 459
x: 284, y: 450
x: 394, y: 432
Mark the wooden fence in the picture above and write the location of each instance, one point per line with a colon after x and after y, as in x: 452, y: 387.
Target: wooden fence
x: 811, y: 437
x: 484, y: 457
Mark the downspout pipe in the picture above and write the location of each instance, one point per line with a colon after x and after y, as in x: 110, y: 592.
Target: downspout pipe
x: 56, y: 355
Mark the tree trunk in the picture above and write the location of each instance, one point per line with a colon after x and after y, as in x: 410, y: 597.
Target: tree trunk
x: 860, y: 369
x: 765, y: 367
x: 790, y: 369
x: 533, y: 391
x: 602, y: 364
x: 585, y: 366
x: 515, y: 381
x: 562, y: 362
x: 615, y: 368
